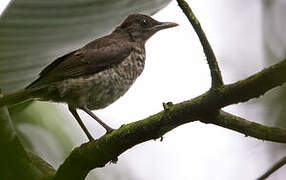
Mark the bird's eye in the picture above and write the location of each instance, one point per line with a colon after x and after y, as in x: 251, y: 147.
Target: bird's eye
x: 144, y: 23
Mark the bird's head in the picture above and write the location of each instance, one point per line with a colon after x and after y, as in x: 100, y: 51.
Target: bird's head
x: 141, y: 27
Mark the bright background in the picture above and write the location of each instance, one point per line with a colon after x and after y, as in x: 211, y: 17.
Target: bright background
x: 176, y: 70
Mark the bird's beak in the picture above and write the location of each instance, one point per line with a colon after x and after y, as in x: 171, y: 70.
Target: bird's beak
x: 165, y: 25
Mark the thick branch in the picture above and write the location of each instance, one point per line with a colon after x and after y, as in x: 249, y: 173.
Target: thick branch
x: 97, y: 153
x: 211, y: 59
x: 274, y: 168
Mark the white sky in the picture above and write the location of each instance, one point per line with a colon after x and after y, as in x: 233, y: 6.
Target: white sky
x: 176, y: 70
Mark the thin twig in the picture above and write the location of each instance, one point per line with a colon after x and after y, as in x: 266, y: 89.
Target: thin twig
x: 274, y: 168
x: 211, y: 59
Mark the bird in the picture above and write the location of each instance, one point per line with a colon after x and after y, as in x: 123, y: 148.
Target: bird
x: 97, y: 74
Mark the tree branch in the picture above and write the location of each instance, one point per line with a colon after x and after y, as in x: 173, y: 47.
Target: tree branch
x: 275, y: 167
x: 203, y: 108
x: 249, y: 128
x: 211, y: 59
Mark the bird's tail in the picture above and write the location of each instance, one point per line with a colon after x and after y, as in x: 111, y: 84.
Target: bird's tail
x: 18, y: 97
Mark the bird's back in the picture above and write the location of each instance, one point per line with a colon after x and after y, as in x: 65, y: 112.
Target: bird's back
x: 94, y: 57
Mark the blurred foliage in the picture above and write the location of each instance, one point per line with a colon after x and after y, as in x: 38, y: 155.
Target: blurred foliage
x: 33, y: 33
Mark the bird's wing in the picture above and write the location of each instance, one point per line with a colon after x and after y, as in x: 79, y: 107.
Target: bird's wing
x: 82, y: 62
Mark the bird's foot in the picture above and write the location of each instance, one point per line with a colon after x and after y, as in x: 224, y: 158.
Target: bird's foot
x: 90, y: 138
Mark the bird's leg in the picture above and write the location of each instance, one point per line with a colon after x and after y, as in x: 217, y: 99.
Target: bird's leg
x: 75, y: 114
x: 106, y: 127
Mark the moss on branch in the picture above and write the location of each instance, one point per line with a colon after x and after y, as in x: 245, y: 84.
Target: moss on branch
x: 203, y: 108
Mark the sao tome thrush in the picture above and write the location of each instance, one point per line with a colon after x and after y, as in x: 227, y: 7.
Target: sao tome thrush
x: 97, y: 74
